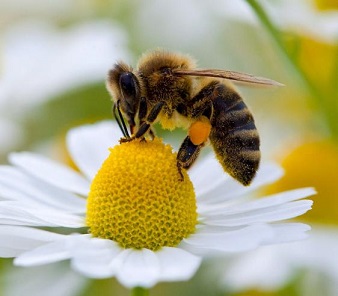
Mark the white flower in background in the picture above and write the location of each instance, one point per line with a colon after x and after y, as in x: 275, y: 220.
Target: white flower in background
x: 145, y: 225
x: 52, y: 280
x: 312, y: 262
x: 297, y: 16
x: 303, y: 16
x: 40, y: 61
x: 178, y: 26
x: 61, y: 11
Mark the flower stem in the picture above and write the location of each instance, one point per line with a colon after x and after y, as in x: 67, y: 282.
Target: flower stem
x: 319, y: 97
x: 139, y: 291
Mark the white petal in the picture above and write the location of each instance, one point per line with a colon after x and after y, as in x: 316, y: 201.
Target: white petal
x: 14, y: 213
x: 140, y: 268
x: 50, y: 252
x: 231, y: 189
x: 51, y: 172
x: 207, y: 174
x: 177, y: 264
x: 268, y: 201
x: 317, y: 251
x: 94, y: 257
x: 240, y: 240
x: 89, y: 144
x: 10, y: 193
x: 257, y: 269
x: 271, y: 214
x: 15, y: 239
x: 287, y: 232
x: 31, y: 188
x: 100, y: 258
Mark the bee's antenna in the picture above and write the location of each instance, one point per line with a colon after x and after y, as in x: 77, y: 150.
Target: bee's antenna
x: 119, y: 119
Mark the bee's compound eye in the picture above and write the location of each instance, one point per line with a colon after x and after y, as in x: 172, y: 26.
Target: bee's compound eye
x: 128, y: 85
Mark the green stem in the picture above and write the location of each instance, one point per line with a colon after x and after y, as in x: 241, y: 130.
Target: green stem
x: 320, y: 98
x: 139, y: 291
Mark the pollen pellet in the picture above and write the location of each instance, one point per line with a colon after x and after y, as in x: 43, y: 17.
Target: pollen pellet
x: 199, y: 131
x: 138, y: 199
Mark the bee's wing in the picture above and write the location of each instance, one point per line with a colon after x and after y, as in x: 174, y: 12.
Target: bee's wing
x: 231, y: 75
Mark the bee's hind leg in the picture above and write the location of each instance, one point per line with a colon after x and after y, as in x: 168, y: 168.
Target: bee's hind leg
x: 187, y: 154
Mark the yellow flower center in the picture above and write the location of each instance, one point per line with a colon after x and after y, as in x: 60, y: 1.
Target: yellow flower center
x: 138, y: 200
x: 326, y: 4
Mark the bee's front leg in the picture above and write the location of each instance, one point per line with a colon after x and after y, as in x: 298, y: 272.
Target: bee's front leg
x: 126, y: 139
x: 145, y: 125
x: 145, y: 122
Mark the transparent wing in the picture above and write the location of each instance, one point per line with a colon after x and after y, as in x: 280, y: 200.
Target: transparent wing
x: 231, y: 75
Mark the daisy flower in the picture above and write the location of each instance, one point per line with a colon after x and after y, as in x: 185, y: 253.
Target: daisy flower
x: 127, y: 214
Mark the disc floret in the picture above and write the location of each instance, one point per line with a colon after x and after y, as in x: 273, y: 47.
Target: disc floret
x: 139, y: 199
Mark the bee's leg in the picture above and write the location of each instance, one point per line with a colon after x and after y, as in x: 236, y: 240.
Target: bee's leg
x: 151, y: 133
x: 145, y: 121
x: 143, y: 109
x: 187, y: 155
x: 198, y: 135
x: 142, y: 113
x: 145, y: 125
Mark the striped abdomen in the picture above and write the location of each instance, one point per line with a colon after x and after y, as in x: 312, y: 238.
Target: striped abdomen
x: 234, y: 136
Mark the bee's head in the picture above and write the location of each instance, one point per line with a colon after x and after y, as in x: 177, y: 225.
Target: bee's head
x: 124, y: 87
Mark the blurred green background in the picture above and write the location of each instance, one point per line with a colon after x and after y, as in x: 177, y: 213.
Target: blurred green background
x: 54, y: 56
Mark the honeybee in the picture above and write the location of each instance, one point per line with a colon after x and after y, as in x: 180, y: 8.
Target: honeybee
x: 167, y: 87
